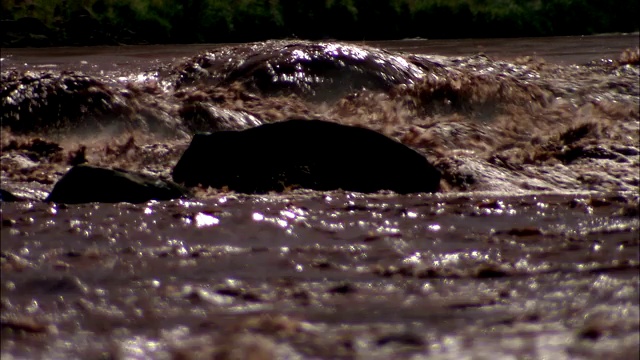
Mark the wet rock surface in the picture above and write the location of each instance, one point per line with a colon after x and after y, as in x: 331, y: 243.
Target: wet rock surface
x: 86, y: 183
x: 310, y: 154
x: 47, y: 100
x: 58, y: 103
x: 316, y: 70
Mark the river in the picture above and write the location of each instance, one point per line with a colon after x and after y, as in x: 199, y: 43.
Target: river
x: 530, y: 250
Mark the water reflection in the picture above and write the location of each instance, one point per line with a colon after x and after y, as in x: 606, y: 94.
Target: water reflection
x: 353, y: 269
x: 204, y: 220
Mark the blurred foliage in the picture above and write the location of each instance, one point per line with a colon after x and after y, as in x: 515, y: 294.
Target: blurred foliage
x: 171, y: 21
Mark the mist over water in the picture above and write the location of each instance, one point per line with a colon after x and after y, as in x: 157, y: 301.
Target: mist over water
x: 536, y: 226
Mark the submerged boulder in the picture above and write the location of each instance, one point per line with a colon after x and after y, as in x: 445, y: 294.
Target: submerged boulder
x: 311, y: 154
x: 41, y: 102
x: 322, y: 71
x: 86, y: 183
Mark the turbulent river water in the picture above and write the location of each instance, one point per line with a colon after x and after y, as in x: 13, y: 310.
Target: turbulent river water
x: 530, y: 249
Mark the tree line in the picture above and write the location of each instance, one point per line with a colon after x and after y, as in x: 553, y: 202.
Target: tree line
x: 86, y: 22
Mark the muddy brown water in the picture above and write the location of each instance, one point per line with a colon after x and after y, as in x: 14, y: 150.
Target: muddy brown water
x: 530, y: 251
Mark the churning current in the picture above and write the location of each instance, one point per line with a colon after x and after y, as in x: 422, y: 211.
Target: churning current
x: 529, y: 248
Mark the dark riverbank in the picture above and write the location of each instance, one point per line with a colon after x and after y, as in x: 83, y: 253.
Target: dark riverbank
x: 113, y: 22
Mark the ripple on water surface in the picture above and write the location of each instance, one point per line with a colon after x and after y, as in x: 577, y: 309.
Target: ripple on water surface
x: 292, y: 274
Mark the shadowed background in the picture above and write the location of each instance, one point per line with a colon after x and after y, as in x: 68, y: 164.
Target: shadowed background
x: 111, y: 22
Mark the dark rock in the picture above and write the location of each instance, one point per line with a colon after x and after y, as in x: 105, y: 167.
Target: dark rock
x: 85, y: 183
x: 490, y: 273
x: 590, y: 332
x: 6, y: 196
x: 77, y: 157
x: 310, y: 154
x: 56, y: 285
x: 407, y: 339
x: 24, y: 324
x: 526, y: 231
x: 53, y: 101
x: 574, y: 153
x: 239, y: 293
x: 343, y: 289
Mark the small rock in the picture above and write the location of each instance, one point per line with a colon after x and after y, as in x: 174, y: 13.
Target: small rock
x: 57, y: 285
x: 8, y: 222
x: 6, y: 196
x: 343, y: 289
x: 526, y: 231
x: 27, y: 325
x: 407, y: 339
x: 86, y: 183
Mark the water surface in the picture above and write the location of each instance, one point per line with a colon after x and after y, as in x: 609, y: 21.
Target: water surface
x: 530, y: 250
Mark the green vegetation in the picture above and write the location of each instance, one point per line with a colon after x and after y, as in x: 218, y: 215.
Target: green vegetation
x: 171, y: 21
